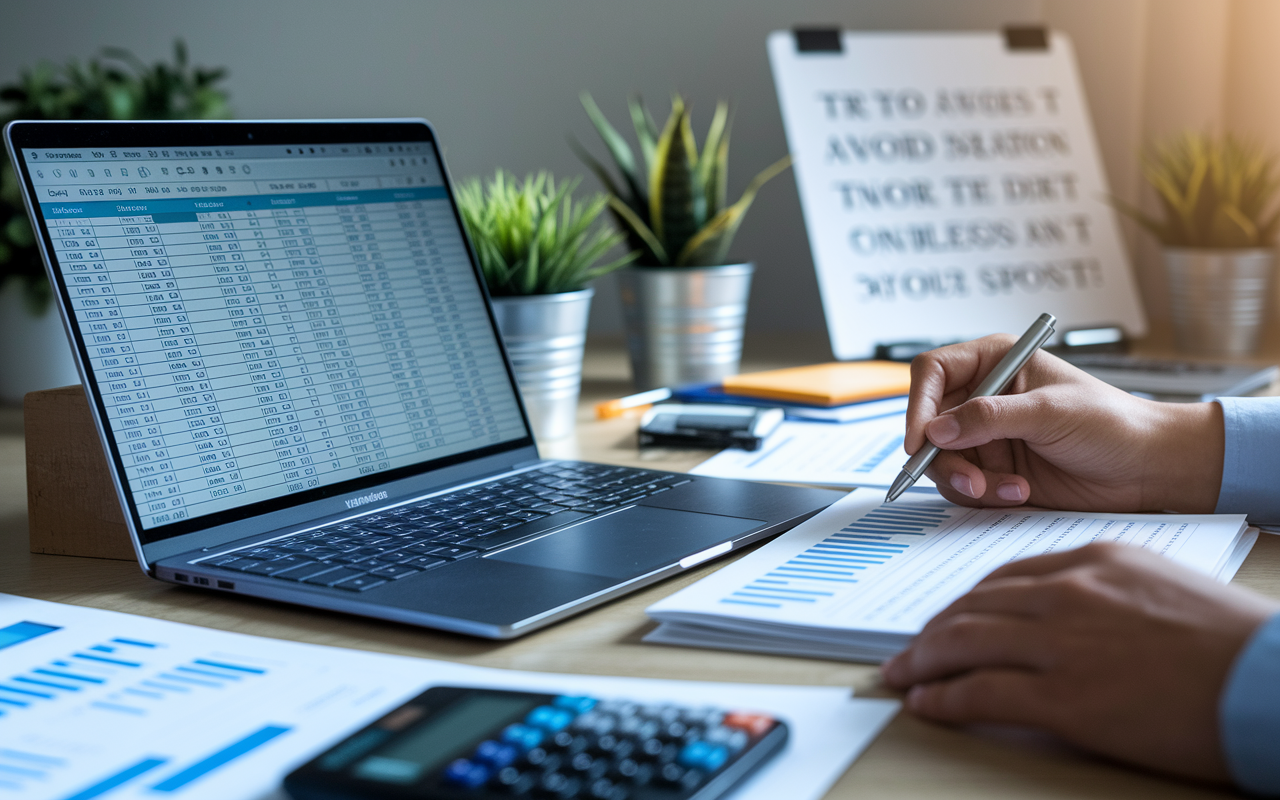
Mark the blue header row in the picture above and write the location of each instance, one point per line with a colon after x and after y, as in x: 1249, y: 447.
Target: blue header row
x: 259, y: 202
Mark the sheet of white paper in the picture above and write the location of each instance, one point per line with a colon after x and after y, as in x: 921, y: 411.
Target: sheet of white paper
x: 867, y: 453
x: 102, y: 704
x: 951, y: 187
x: 860, y: 566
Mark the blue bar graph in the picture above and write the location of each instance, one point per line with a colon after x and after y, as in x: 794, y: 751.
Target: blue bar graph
x: 20, y: 632
x: 124, y: 776
x: 880, y: 455
x: 815, y: 574
x: 224, y: 756
x: 136, y: 643
x: 225, y: 665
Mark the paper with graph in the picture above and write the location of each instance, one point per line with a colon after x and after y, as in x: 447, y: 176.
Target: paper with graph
x: 860, y: 579
x: 96, y: 704
x: 867, y: 453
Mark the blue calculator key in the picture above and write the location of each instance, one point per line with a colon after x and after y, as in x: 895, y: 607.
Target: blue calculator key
x: 705, y: 756
x: 578, y: 705
x: 467, y: 774
x: 522, y: 736
x: 496, y: 754
x: 549, y: 718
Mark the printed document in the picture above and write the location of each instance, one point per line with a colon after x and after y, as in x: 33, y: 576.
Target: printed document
x: 867, y: 453
x: 100, y: 704
x: 861, y: 578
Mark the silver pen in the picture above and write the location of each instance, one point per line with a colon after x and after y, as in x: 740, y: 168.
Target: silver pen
x: 994, y: 384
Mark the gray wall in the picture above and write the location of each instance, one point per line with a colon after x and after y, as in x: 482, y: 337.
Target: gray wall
x: 500, y: 80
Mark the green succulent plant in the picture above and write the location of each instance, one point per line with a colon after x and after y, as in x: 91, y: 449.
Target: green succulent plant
x: 1215, y: 192
x: 532, y: 237
x: 672, y: 203
x: 117, y: 85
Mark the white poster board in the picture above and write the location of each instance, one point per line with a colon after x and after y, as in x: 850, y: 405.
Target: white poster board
x: 951, y: 188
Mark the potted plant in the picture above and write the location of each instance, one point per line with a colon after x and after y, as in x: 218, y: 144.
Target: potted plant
x: 684, y: 304
x: 538, y: 249
x: 1218, y: 229
x: 33, y: 347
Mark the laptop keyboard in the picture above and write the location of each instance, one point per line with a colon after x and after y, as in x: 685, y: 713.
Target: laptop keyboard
x: 360, y: 554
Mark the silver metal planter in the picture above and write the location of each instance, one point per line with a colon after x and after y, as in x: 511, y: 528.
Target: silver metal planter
x: 1219, y: 298
x: 544, y: 335
x: 684, y: 324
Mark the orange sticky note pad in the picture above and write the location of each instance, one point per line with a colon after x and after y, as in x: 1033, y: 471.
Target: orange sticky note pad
x: 833, y: 384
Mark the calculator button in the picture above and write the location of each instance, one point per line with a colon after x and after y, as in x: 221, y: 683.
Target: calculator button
x: 524, y: 737
x: 578, y: 705
x: 467, y: 774
x: 496, y: 754
x: 651, y: 748
x: 605, y: 789
x: 557, y: 785
x: 549, y: 718
x: 670, y: 774
x: 753, y: 724
x: 513, y: 781
x: 704, y: 756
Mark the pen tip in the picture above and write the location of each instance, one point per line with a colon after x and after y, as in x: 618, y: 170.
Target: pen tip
x: 899, y: 486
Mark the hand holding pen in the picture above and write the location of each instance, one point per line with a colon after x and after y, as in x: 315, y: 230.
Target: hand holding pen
x: 1058, y: 437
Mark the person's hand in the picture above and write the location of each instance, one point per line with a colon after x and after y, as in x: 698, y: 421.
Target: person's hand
x: 1115, y: 649
x: 1058, y: 437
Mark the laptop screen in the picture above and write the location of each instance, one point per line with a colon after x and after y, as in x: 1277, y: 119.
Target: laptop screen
x: 267, y: 322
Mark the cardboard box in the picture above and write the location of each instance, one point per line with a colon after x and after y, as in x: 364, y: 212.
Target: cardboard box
x: 72, y: 507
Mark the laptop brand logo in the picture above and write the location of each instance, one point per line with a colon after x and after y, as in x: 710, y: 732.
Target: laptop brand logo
x: 372, y: 497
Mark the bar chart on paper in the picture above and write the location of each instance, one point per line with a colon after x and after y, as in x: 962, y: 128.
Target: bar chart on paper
x: 845, y: 557
x: 73, y: 702
x: 867, y: 453
x: 862, y: 577
x: 213, y: 715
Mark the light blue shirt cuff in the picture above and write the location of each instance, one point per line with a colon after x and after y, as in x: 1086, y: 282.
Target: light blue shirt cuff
x: 1251, y: 463
x: 1249, y: 712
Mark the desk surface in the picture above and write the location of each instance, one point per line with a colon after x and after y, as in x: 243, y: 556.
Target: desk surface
x: 910, y: 759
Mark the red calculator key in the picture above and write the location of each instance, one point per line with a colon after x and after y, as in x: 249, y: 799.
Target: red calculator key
x: 754, y: 724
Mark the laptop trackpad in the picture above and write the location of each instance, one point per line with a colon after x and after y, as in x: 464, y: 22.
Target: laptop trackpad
x: 629, y: 543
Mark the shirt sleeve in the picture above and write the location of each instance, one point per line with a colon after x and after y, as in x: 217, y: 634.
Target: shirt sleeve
x: 1249, y: 713
x: 1251, y: 463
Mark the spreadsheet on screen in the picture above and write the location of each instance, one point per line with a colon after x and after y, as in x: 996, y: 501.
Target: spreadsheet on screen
x: 268, y: 319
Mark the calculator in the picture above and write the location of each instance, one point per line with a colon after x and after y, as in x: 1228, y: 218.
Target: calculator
x: 458, y: 743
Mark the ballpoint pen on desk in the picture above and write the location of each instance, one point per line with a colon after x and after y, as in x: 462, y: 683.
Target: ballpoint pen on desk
x: 994, y: 384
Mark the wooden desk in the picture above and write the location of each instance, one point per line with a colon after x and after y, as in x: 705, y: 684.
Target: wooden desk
x: 910, y: 759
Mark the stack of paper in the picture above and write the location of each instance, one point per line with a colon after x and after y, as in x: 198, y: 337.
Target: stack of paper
x: 859, y: 580
x: 867, y: 453
x: 95, y: 703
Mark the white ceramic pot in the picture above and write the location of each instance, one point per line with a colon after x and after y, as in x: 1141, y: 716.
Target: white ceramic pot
x: 34, y: 352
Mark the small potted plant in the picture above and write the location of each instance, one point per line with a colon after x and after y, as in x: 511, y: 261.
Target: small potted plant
x: 33, y: 347
x: 1218, y: 229
x: 538, y: 249
x: 684, y: 304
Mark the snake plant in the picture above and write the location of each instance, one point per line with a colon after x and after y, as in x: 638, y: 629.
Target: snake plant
x: 532, y: 237
x: 672, y: 203
x: 1214, y: 193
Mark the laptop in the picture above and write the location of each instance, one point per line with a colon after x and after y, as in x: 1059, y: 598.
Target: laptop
x: 289, y: 352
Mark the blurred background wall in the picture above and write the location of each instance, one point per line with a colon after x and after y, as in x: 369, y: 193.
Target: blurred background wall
x: 500, y: 79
